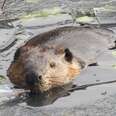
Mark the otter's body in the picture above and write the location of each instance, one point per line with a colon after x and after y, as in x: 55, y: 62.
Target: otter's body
x: 56, y: 57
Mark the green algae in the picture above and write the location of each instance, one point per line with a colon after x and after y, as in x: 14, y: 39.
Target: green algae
x: 42, y: 13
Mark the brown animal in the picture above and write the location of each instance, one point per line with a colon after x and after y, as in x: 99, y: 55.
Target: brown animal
x: 51, y: 59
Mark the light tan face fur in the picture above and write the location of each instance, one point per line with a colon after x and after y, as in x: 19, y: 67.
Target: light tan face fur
x: 56, y: 71
x: 62, y: 73
x: 50, y: 67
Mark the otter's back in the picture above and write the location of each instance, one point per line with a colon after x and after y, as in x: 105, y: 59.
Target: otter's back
x: 85, y: 42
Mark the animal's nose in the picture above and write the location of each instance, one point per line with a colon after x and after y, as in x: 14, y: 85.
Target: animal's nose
x: 31, y: 78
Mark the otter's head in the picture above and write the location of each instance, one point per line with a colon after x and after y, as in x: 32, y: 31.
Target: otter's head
x: 48, y: 67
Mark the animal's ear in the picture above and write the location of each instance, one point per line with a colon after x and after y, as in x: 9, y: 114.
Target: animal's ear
x: 68, y: 55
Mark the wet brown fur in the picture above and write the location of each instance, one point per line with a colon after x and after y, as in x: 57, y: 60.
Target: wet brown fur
x: 36, y: 48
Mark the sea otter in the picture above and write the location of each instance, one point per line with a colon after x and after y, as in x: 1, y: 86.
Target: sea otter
x: 56, y: 57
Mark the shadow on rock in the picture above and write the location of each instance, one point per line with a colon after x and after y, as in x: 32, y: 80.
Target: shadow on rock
x: 41, y: 99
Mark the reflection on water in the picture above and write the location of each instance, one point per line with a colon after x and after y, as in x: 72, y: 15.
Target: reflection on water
x: 47, y: 97
x: 41, y: 99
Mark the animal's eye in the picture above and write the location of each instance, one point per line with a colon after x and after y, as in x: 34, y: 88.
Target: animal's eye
x: 40, y: 77
x: 52, y: 64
